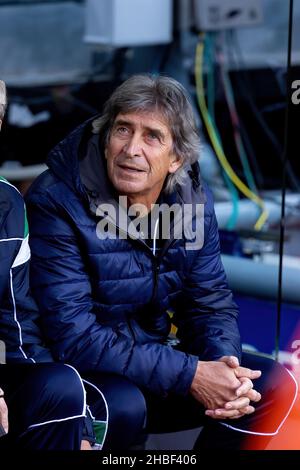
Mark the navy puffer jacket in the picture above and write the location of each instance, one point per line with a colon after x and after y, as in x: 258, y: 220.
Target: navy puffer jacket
x: 104, y: 302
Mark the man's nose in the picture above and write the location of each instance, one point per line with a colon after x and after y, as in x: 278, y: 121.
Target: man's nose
x: 133, y: 146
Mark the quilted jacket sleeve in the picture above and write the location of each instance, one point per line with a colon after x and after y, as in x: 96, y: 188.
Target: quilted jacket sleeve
x: 205, y: 314
x: 19, y: 317
x: 10, y: 236
x: 63, y: 291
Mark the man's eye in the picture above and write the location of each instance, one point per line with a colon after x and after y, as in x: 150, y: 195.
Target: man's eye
x: 153, y: 136
x: 122, y: 130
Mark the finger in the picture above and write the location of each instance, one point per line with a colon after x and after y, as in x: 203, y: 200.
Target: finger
x: 253, y: 395
x: 221, y: 413
x: 245, y: 372
x: 245, y: 411
x: 237, y: 404
x: 248, y: 410
x: 231, y: 361
x: 246, y: 386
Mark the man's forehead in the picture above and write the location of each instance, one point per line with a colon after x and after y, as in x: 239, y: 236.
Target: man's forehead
x: 148, y: 119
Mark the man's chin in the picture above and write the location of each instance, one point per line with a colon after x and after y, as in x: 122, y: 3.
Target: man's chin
x: 127, y: 188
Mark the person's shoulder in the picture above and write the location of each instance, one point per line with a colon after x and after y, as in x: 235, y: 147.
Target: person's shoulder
x: 12, y: 211
x: 208, y: 198
x: 41, y: 186
x: 9, y: 195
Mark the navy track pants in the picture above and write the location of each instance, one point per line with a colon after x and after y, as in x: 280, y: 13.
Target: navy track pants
x: 46, y: 406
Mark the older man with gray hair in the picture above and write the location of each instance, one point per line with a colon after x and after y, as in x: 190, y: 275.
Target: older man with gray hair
x: 123, y: 233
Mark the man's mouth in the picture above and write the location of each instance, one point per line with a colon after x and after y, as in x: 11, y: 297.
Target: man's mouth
x: 131, y: 168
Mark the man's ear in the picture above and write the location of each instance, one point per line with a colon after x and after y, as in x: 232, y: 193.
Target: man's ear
x: 175, y: 164
x: 0, y: 124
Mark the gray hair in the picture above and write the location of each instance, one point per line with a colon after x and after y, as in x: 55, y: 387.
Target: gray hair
x: 3, y: 99
x: 156, y: 93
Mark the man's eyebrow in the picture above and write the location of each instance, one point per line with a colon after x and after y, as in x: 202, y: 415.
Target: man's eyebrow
x: 160, y: 134
x: 124, y: 122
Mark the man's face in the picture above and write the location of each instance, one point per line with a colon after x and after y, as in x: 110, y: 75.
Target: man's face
x: 140, y: 154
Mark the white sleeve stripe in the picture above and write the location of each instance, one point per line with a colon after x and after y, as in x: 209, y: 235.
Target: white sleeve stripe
x: 15, y: 317
x: 24, y: 253
x: 9, y: 184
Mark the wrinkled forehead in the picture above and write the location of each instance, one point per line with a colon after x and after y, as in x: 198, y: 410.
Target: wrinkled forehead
x: 150, y: 118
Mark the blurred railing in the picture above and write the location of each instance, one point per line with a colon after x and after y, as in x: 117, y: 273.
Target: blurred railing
x: 15, y: 171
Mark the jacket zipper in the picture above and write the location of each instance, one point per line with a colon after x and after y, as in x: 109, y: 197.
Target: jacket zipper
x: 155, y: 259
x: 156, y: 269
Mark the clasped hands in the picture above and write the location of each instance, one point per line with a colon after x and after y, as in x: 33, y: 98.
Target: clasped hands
x: 225, y: 388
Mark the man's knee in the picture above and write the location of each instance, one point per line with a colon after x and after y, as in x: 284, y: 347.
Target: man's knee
x: 128, y: 416
x: 61, y: 388
x: 278, y: 388
x: 132, y: 406
x: 124, y: 400
x: 274, y: 374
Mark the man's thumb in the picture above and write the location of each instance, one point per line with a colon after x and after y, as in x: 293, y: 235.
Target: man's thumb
x: 231, y: 361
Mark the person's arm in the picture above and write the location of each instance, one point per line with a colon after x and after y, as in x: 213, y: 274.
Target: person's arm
x: 62, y: 287
x: 7, y: 254
x: 11, y: 234
x: 205, y: 313
x: 206, y: 316
x: 18, y: 312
